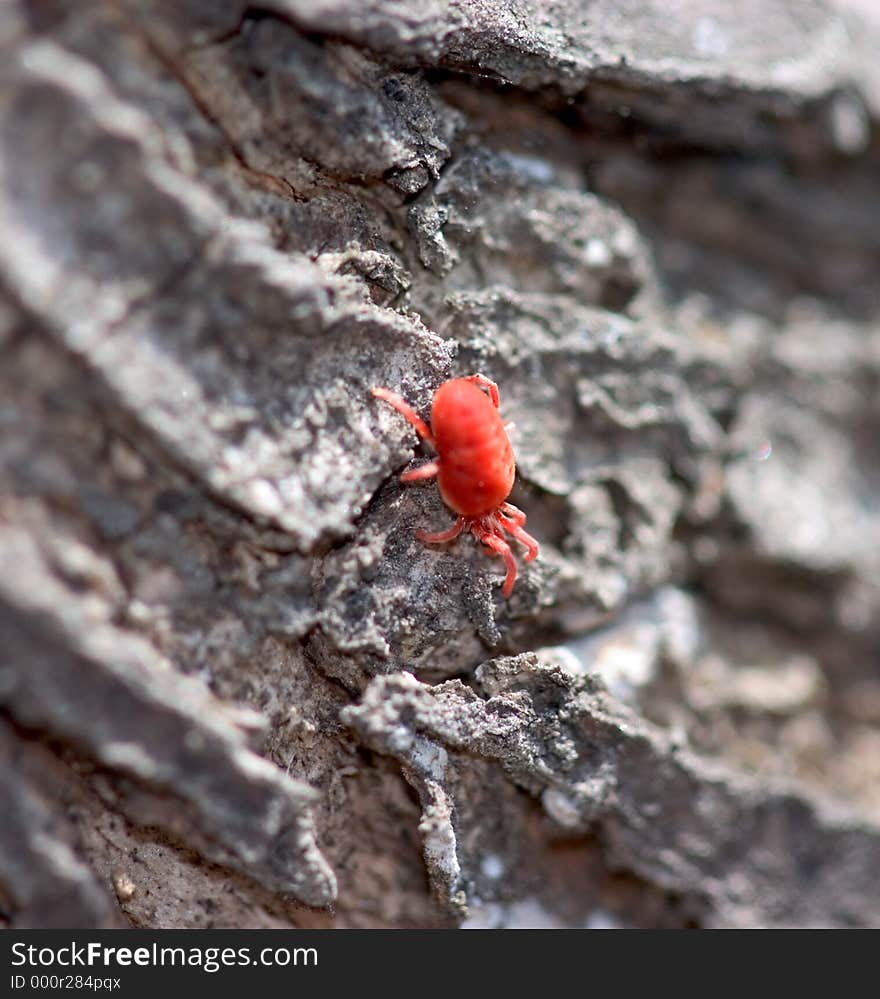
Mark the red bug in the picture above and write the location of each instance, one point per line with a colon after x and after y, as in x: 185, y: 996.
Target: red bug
x: 474, y: 466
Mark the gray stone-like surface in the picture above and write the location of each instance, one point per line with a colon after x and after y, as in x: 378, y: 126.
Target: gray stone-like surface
x: 242, y: 691
x: 279, y: 96
x: 751, y: 853
x: 47, y: 884
x: 135, y: 307
x: 799, y: 45
x: 112, y: 697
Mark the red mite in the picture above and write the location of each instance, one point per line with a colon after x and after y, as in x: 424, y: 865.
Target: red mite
x: 474, y: 466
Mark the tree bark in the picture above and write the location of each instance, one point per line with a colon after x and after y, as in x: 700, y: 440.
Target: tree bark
x: 235, y: 690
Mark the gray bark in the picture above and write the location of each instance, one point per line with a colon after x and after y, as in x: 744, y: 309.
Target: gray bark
x: 235, y: 690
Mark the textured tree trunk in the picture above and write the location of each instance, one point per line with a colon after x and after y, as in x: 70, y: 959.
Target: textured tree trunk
x: 235, y: 690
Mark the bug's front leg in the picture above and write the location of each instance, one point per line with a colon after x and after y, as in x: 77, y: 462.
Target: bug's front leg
x: 406, y: 411
x: 427, y: 471
x: 488, y: 385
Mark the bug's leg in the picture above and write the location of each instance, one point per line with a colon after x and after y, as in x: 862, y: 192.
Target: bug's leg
x: 521, y: 535
x: 499, y: 545
x: 516, y: 526
x: 514, y: 512
x: 426, y: 471
x: 488, y: 385
x: 514, y: 530
x: 406, y: 411
x: 440, y: 536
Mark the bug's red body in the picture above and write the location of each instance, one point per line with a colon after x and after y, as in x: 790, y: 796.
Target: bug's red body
x: 474, y: 467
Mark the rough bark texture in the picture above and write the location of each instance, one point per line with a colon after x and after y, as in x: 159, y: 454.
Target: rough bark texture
x: 234, y: 689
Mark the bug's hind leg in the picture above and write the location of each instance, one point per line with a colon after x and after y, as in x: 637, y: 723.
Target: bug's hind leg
x: 494, y: 541
x: 512, y: 519
x: 517, y: 531
x: 514, y: 512
x: 406, y: 411
x: 440, y: 536
x: 488, y: 385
